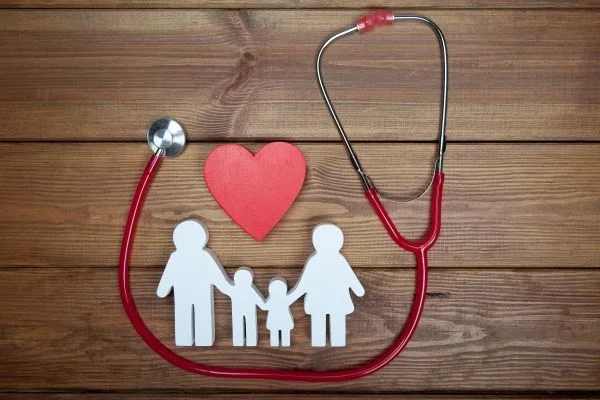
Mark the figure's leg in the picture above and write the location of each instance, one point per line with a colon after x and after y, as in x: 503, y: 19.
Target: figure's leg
x: 184, y: 335
x: 318, y: 330
x: 285, y: 338
x: 251, y: 330
x: 274, y: 338
x: 237, y: 325
x: 204, y: 326
x: 337, y: 330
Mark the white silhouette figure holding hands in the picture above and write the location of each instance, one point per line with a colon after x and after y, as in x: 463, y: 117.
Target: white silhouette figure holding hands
x: 244, y: 299
x: 280, y: 321
x: 326, y: 280
x: 191, y: 272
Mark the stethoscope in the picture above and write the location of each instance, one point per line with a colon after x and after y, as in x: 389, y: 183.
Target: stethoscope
x: 166, y: 138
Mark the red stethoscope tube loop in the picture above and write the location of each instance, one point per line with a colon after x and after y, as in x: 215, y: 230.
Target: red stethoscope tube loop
x: 435, y: 214
x: 419, y: 249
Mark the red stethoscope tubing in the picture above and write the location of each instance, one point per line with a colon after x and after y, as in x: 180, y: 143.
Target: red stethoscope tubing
x: 419, y: 249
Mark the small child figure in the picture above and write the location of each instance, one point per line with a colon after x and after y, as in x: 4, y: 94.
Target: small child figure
x: 279, y: 318
x: 244, y: 299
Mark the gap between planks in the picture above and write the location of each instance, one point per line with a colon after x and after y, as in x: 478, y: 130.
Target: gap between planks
x: 256, y: 395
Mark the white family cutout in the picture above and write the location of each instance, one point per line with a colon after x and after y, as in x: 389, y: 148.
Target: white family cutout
x: 193, y: 270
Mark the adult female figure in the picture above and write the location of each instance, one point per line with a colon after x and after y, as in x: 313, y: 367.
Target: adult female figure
x: 326, y: 280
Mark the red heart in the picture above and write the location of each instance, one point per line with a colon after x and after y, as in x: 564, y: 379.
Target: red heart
x: 255, y: 190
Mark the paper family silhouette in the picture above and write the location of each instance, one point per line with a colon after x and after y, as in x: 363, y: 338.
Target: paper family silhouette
x: 193, y: 270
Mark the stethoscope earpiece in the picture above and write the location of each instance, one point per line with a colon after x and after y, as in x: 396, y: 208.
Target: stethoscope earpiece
x: 166, y: 137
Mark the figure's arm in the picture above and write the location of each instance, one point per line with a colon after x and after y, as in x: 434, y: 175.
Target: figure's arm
x: 355, y: 284
x: 302, y: 285
x: 297, y: 291
x: 220, y: 278
x: 292, y: 299
x: 260, y: 300
x: 166, y: 281
x: 224, y: 284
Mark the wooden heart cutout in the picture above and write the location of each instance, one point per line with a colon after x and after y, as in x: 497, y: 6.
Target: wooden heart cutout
x: 255, y: 190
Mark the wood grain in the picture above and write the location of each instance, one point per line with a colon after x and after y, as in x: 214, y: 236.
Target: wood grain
x: 512, y: 205
x: 295, y: 4
x: 513, y: 305
x: 85, y: 75
x: 267, y: 396
x: 482, y: 330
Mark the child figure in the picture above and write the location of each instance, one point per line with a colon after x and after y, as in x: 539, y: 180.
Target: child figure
x: 244, y: 299
x: 279, y: 318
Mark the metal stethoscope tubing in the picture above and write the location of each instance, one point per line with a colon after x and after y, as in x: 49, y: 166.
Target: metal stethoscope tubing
x: 386, y: 17
x: 167, y: 139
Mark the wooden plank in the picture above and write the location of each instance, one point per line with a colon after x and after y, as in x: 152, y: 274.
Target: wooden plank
x: 295, y: 4
x: 267, y: 396
x: 482, y: 330
x: 512, y: 205
x: 105, y: 75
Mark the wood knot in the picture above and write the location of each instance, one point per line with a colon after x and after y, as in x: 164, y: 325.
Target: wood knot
x: 244, y: 71
x: 248, y: 57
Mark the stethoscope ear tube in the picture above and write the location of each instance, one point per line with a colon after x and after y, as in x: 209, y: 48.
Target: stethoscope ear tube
x: 435, y: 223
x: 366, y: 24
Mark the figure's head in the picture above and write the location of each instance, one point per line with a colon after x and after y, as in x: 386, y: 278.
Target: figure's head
x: 277, y: 287
x: 243, y: 276
x: 190, y: 234
x: 327, y: 238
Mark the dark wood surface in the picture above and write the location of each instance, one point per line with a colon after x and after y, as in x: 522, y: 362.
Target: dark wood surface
x: 295, y: 4
x: 229, y: 75
x: 506, y: 205
x: 267, y: 396
x: 513, y: 306
x: 504, y: 329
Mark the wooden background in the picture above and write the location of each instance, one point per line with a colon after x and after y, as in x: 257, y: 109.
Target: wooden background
x: 514, y: 301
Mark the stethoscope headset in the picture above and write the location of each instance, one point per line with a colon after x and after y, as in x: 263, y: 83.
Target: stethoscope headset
x: 167, y: 139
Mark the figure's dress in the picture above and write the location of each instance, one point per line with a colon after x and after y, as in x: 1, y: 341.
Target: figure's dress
x: 327, y: 296
x: 279, y: 316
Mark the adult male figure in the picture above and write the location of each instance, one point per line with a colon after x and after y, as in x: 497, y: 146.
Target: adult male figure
x: 191, y: 272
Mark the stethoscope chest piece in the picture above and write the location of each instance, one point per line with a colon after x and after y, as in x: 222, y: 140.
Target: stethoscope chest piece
x: 166, y: 137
